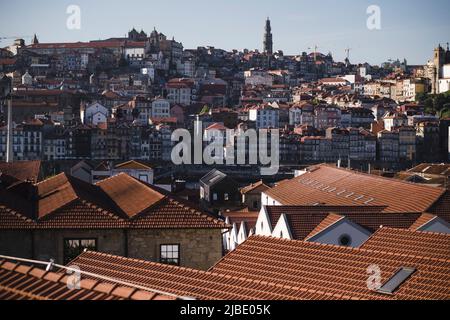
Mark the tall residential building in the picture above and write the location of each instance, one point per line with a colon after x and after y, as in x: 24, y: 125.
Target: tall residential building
x: 268, y: 40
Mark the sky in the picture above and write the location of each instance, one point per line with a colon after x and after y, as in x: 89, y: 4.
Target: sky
x: 410, y: 29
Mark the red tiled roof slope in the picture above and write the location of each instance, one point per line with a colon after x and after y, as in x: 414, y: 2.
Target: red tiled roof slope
x: 192, y: 283
x: 303, y: 220
x: 330, y: 220
x: 425, y: 244
x: 21, y: 282
x: 64, y: 202
x: 22, y: 170
x: 422, y: 220
x: 336, y: 270
x: 332, y: 186
x: 130, y: 197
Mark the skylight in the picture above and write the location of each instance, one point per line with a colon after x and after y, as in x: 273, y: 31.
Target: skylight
x: 397, y: 280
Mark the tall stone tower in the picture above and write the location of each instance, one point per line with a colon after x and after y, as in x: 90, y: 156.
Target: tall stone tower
x: 439, y: 59
x: 268, y: 40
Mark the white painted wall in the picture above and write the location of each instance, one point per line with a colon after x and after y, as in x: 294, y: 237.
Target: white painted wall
x: 437, y: 225
x: 282, y: 229
x: 333, y: 234
x: 263, y: 224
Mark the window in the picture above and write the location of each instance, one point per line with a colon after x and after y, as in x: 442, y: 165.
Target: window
x: 74, y: 247
x: 215, y: 197
x: 170, y: 254
x: 345, y: 240
x: 226, y: 197
x: 397, y: 280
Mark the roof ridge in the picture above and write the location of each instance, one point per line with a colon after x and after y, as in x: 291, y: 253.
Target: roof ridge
x: 49, y: 179
x: 447, y: 235
x: 379, y: 177
x: 316, y: 232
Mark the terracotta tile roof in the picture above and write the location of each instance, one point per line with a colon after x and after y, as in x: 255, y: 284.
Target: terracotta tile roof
x: 192, y: 283
x: 422, y: 220
x: 133, y: 165
x: 175, y: 214
x: 427, y: 168
x: 22, y: 170
x: 11, y: 220
x: 128, y: 196
x: 64, y: 202
x: 54, y: 193
x: 22, y: 282
x: 330, y: 220
x: 255, y: 187
x: 248, y: 218
x: 304, y: 220
x: 335, y: 270
x: 332, y: 186
x: 425, y: 244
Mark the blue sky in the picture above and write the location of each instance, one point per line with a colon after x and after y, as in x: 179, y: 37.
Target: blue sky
x: 409, y: 28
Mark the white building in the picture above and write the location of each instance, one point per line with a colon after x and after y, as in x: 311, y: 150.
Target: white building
x: 94, y: 114
x: 444, y: 83
x: 265, y: 116
x: 179, y: 91
x: 295, y: 116
x: 160, y: 108
x: 134, y: 53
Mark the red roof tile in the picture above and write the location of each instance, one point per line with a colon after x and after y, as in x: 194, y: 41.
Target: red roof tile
x: 20, y: 282
x: 118, y: 202
x: 304, y: 220
x: 332, y: 186
x: 22, y: 170
x: 422, y: 220
x: 336, y: 270
x: 255, y: 188
x: 425, y: 244
x: 133, y: 165
x: 189, y: 282
x: 330, y: 220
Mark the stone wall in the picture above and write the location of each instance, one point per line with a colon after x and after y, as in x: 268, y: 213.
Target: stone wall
x: 199, y: 248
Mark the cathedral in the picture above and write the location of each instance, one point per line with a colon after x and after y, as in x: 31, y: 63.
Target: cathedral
x: 441, y: 57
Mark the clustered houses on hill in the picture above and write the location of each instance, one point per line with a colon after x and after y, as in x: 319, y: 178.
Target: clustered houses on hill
x: 121, y: 99
x: 60, y: 217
